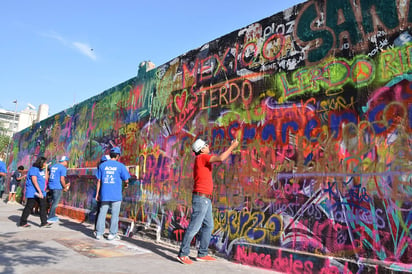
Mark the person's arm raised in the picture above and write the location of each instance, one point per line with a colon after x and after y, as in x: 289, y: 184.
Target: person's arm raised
x: 224, y: 155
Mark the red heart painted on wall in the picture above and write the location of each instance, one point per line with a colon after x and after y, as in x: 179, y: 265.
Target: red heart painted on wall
x: 180, y: 101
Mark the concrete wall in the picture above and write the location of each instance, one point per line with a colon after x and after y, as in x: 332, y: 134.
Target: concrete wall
x: 320, y: 97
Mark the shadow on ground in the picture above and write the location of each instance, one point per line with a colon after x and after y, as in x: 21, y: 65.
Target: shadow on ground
x: 13, y: 253
x: 16, y: 219
x: 87, y: 229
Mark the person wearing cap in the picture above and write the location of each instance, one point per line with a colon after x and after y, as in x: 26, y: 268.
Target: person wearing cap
x: 96, y: 204
x: 110, y: 175
x: 57, y: 184
x: 202, y: 218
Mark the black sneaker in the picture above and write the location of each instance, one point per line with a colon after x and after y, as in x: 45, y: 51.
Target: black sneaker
x: 46, y: 225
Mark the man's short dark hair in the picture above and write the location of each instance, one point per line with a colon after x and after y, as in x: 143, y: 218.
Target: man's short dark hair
x: 113, y: 155
x: 20, y: 168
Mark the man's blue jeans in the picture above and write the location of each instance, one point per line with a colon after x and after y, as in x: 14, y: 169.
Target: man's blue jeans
x: 201, y: 220
x: 56, y: 196
x: 114, y: 221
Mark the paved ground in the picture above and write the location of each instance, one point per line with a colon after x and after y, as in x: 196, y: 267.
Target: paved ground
x: 68, y: 247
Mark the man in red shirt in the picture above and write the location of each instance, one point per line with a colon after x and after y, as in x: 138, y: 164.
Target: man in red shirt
x: 202, y: 217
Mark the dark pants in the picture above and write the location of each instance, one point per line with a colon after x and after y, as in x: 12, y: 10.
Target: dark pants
x: 99, y: 204
x: 28, y: 208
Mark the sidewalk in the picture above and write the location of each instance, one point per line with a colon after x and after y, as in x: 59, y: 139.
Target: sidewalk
x: 69, y: 247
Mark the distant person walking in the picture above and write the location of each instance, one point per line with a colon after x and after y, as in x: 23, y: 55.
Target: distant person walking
x: 202, y: 218
x: 57, y: 184
x: 110, y: 175
x: 3, y: 174
x: 36, y: 192
x: 15, y: 181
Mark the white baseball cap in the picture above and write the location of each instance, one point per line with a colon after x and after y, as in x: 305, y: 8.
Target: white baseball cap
x: 64, y: 158
x: 105, y: 158
x: 198, y: 145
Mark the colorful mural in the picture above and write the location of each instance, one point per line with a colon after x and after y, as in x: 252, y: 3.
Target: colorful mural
x: 320, y: 97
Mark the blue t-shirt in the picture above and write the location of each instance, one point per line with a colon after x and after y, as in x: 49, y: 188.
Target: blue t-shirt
x: 2, y: 169
x: 111, y: 174
x: 41, y: 180
x: 56, y: 171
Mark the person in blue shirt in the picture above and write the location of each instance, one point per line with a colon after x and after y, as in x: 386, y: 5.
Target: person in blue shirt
x: 96, y: 205
x: 110, y: 175
x: 3, y: 173
x: 57, y: 184
x: 36, y: 192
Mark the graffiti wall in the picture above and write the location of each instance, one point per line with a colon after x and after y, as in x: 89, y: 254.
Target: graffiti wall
x: 320, y: 97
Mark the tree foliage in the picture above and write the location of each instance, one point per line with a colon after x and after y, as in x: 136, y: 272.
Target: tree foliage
x: 4, y: 142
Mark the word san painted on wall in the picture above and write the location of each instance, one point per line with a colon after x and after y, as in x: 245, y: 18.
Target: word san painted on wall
x: 322, y: 26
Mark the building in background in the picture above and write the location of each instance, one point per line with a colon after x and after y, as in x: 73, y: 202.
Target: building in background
x: 13, y: 121
x: 42, y: 113
x: 8, y: 122
x: 26, y: 117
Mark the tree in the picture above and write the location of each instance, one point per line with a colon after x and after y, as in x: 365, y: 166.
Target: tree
x: 4, y: 142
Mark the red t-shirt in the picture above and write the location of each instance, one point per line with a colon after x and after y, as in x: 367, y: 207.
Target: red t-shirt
x: 202, y: 174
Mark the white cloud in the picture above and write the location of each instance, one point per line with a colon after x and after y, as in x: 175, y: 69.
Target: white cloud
x: 83, y: 48
x: 55, y: 36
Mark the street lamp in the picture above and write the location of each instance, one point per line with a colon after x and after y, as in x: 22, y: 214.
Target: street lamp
x: 14, y: 116
x: 12, y: 131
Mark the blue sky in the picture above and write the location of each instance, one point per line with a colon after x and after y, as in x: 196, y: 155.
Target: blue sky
x: 63, y: 52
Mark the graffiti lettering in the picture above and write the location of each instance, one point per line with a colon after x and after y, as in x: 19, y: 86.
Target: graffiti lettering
x: 332, y: 74
x: 225, y: 94
x: 329, y: 31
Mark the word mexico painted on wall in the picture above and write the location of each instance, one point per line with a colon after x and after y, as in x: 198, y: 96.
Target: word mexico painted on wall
x: 320, y: 98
